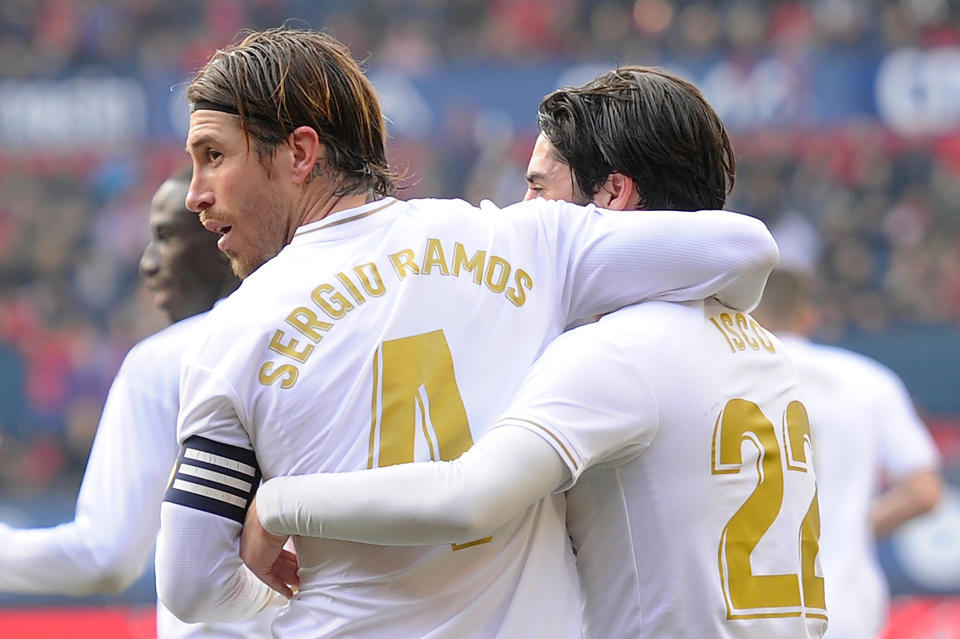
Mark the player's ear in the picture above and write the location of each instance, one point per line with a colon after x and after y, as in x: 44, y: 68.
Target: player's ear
x: 306, y: 150
x: 617, y: 193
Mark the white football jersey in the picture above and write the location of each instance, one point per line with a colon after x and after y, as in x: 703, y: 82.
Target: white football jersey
x: 391, y: 333
x: 118, y: 507
x: 694, y: 510
x: 864, y: 426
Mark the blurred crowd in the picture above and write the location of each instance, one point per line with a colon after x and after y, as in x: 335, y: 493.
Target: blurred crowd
x: 877, y: 218
x: 874, y: 215
x: 50, y: 38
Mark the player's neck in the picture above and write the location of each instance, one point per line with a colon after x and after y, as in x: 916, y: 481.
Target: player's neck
x: 321, y: 207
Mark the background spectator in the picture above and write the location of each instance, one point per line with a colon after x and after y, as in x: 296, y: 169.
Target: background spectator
x: 845, y: 116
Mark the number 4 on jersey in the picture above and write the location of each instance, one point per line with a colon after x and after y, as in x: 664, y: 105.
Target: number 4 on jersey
x: 414, y: 388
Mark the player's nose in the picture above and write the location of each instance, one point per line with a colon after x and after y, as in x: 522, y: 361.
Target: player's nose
x: 149, y: 263
x: 199, y: 196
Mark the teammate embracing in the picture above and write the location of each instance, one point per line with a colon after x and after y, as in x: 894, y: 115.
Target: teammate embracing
x: 676, y: 429
x: 371, y: 331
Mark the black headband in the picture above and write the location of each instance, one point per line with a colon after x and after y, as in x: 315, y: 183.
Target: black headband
x: 215, y: 106
x: 212, y: 106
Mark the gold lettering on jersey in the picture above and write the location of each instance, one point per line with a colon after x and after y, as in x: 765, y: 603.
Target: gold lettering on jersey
x: 762, y: 336
x: 290, y: 348
x: 471, y: 544
x: 742, y: 332
x: 744, y: 327
x: 516, y: 294
x: 498, y: 272
x: 354, y: 287
x: 434, y: 257
x: 731, y: 330
x: 403, y: 261
x: 305, y: 321
x: 370, y: 279
x: 491, y: 271
x: 473, y: 265
x: 286, y: 373
x: 733, y: 349
x: 336, y: 306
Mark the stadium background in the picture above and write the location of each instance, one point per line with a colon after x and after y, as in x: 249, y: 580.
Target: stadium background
x: 846, y: 121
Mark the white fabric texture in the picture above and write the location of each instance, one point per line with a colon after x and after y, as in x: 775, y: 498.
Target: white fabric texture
x: 590, y: 399
x: 506, y: 471
x: 205, y: 546
x: 113, y: 533
x: 588, y: 403
x: 649, y: 529
x: 864, y: 426
x: 434, y: 309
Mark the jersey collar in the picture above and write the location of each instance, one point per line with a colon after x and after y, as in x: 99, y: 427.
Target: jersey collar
x: 343, y: 218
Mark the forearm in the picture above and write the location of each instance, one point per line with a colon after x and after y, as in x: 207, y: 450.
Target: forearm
x: 759, y: 256
x: 738, y: 248
x: 200, y: 577
x: 912, y: 496
x: 658, y: 255
x: 506, y: 471
x: 69, y: 559
x: 106, y: 546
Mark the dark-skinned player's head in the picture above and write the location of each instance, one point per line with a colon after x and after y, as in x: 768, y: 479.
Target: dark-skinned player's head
x: 181, y: 264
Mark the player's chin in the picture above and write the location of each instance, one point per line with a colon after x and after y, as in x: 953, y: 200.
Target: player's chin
x: 242, y: 268
x: 161, y: 299
x: 244, y: 265
x: 176, y: 310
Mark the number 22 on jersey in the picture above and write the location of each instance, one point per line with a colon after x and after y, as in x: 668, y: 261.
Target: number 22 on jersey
x: 414, y: 388
x: 749, y: 595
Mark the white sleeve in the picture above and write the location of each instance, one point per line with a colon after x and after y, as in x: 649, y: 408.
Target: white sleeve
x: 504, y: 472
x: 105, y: 547
x: 584, y: 402
x: 615, y: 258
x: 905, y: 443
x: 209, y: 407
x: 200, y: 576
x: 588, y: 397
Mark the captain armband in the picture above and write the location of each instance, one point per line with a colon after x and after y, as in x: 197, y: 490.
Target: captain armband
x: 215, y: 478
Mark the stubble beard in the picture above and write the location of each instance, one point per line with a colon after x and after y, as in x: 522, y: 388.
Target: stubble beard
x: 271, y: 237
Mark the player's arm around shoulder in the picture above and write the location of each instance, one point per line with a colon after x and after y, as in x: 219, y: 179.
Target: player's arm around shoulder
x: 588, y: 394
x: 504, y: 472
x: 609, y: 259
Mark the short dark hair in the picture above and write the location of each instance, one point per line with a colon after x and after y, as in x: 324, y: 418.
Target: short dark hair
x: 183, y: 174
x: 279, y: 79
x: 785, y: 297
x: 647, y: 124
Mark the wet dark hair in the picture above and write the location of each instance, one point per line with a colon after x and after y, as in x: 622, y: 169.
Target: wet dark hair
x: 279, y: 79
x: 647, y: 124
